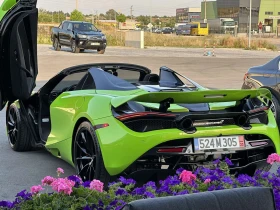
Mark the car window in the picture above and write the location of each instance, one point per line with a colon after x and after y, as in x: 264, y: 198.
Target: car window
x: 72, y: 79
x: 128, y: 75
x: 70, y: 26
x: 65, y: 26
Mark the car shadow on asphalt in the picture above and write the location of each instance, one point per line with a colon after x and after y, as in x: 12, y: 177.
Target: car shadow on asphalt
x: 67, y: 49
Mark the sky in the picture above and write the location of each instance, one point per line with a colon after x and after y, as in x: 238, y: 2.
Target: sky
x: 140, y: 7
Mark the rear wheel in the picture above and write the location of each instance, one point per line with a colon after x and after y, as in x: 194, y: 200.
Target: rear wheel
x: 101, y: 51
x: 87, y: 155
x: 56, y: 45
x: 18, y: 134
x: 74, y: 47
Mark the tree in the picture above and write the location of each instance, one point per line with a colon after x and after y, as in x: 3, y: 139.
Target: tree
x: 110, y: 14
x: 121, y: 18
x: 144, y: 20
x: 77, y: 16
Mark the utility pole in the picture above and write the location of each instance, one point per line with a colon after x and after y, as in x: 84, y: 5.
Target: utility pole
x: 131, y: 10
x: 250, y: 23
x: 116, y: 20
x: 205, y: 11
x: 92, y: 18
x: 77, y: 3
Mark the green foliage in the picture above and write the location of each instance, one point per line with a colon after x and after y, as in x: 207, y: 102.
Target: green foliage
x: 51, y: 17
x: 144, y: 20
x: 110, y: 14
x: 121, y: 18
x: 77, y: 16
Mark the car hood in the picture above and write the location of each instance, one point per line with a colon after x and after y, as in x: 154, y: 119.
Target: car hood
x: 271, y: 65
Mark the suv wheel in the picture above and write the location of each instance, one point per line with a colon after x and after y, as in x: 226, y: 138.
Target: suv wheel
x: 74, y: 47
x: 100, y: 51
x: 56, y: 45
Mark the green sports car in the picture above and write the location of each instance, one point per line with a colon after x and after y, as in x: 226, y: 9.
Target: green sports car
x: 121, y: 119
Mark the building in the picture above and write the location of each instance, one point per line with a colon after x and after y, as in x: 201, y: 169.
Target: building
x: 186, y: 15
x: 265, y: 11
x: 211, y: 10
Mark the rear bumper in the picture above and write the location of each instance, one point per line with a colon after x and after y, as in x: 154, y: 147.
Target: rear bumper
x: 121, y: 147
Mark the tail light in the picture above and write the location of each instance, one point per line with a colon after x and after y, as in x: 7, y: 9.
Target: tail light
x: 125, y: 117
x: 171, y: 150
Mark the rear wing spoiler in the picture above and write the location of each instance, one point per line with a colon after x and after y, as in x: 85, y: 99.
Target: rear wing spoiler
x: 204, y: 96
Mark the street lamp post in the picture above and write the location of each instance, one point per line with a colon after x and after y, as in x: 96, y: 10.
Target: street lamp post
x: 205, y: 11
x: 250, y: 24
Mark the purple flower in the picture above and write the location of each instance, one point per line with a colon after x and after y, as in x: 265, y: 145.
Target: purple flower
x: 227, y: 180
x: 179, y: 171
x: 113, y: 203
x: 24, y: 195
x: 111, y: 184
x: 228, y: 162
x: 75, y: 179
x: 6, y: 204
x: 211, y: 188
x: 121, y: 191
x: 151, y: 185
x: 127, y: 181
x: 86, y: 184
x: 216, y: 162
x: 149, y: 195
x: 100, y: 203
x: 139, y: 191
x: 184, y: 192
x: 87, y: 208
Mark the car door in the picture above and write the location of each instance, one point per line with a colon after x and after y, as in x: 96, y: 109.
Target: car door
x: 63, y: 33
x: 18, y: 49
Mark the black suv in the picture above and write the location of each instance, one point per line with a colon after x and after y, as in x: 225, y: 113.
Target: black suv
x: 79, y: 36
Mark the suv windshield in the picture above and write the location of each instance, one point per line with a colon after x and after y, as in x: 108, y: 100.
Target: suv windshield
x: 84, y: 27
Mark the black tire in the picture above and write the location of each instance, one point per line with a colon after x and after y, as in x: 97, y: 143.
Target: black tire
x: 74, y: 47
x: 18, y: 134
x: 56, y: 45
x: 82, y: 50
x: 100, y: 51
x: 276, y: 107
x: 87, y: 155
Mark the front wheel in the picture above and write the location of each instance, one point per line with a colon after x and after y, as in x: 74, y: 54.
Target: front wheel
x: 56, y: 45
x: 87, y: 155
x: 74, y: 47
x: 18, y: 134
x: 99, y: 51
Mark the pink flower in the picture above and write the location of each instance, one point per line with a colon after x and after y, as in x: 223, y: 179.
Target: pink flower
x: 187, y: 177
x: 59, y: 171
x: 61, y: 185
x: 96, y: 185
x: 207, y: 181
x: 36, y: 189
x: 273, y: 158
x: 48, y: 180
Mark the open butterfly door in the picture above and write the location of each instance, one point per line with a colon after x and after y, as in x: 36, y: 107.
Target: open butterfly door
x: 18, y: 50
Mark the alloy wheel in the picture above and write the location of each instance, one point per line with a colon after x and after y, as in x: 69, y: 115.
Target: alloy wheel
x: 85, y: 155
x: 12, y: 126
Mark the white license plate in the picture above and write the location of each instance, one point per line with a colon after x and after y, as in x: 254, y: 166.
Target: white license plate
x: 214, y: 143
x: 95, y: 43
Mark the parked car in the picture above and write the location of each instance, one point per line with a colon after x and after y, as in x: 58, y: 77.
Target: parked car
x: 158, y: 31
x: 166, y: 30
x: 183, y: 30
x: 79, y: 36
x: 268, y: 76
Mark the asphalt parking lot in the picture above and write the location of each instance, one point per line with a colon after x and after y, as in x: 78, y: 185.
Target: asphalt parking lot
x: 20, y: 171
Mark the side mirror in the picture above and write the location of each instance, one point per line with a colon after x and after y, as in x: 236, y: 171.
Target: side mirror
x: 99, y: 30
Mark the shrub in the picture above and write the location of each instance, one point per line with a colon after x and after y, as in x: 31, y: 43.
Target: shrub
x: 72, y: 193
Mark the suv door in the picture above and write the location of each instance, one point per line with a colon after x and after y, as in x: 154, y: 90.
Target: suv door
x: 18, y: 49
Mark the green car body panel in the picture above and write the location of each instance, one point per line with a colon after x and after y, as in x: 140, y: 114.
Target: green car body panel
x: 6, y: 6
x: 121, y: 146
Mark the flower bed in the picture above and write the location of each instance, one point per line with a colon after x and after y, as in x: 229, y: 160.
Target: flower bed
x: 72, y: 193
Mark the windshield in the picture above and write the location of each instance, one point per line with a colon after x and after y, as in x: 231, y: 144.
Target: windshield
x: 84, y: 27
x: 231, y: 23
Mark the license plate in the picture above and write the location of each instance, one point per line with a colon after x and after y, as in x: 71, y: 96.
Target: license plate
x: 224, y: 142
x: 95, y: 43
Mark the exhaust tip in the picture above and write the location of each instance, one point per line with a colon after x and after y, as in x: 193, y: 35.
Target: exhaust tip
x: 241, y: 120
x: 187, y: 124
